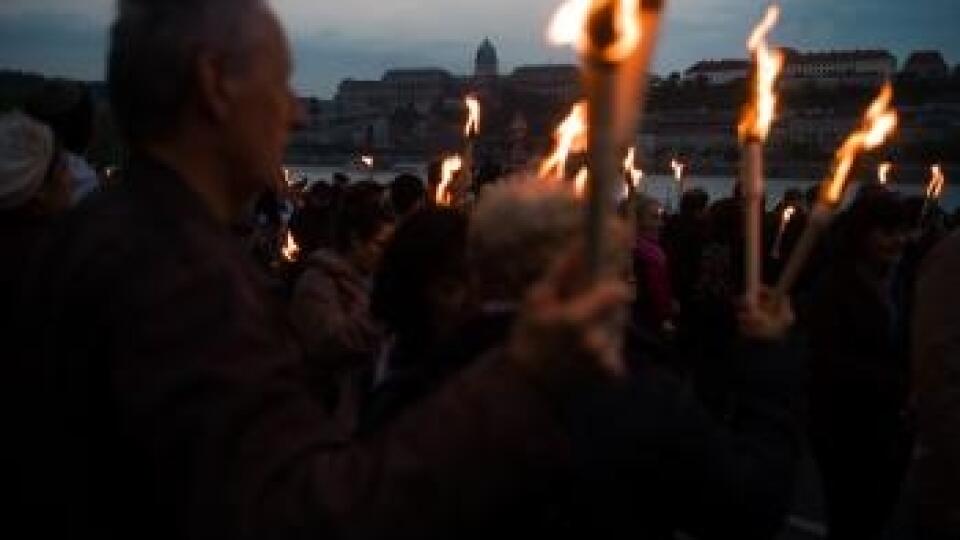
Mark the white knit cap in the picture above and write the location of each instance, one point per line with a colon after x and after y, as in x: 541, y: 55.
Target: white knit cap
x: 26, y: 151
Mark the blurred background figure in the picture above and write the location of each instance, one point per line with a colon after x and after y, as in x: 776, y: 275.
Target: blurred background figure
x: 421, y: 296
x: 711, y: 311
x: 936, y: 336
x: 312, y: 224
x: 654, y: 305
x: 683, y: 238
x: 407, y: 196
x: 330, y: 307
x: 34, y: 189
x: 857, y: 326
x: 67, y: 108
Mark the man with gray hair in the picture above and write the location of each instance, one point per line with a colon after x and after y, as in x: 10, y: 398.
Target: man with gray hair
x: 164, y: 383
x: 678, y: 468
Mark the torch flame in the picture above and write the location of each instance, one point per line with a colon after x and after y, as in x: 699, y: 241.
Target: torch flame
x: 473, y: 116
x: 450, y: 167
x: 759, y: 114
x: 290, y: 249
x: 935, y: 189
x: 788, y: 214
x: 571, y: 26
x: 879, y: 123
x: 570, y: 136
x: 678, y: 169
x: 580, y: 182
x: 883, y: 172
x: 629, y: 165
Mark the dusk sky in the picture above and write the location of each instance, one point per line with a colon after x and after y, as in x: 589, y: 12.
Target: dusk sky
x: 362, y: 38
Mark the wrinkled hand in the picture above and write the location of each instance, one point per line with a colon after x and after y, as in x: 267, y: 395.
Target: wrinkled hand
x: 768, y: 319
x: 565, y: 331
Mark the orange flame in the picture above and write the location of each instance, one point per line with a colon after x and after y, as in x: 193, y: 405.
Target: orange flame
x: 472, y: 127
x: 571, y: 26
x: 935, y: 189
x: 759, y: 114
x: 570, y: 136
x: 451, y: 166
x: 678, y: 169
x: 879, y: 123
x: 580, y: 182
x: 883, y: 172
x: 290, y: 249
x: 629, y: 165
x: 788, y: 214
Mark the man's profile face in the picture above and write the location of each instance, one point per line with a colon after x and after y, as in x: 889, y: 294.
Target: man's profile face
x: 265, y: 108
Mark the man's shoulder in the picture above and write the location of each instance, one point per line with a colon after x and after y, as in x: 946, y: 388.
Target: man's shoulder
x: 118, y: 239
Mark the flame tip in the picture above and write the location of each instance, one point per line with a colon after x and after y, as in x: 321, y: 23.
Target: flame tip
x: 571, y: 24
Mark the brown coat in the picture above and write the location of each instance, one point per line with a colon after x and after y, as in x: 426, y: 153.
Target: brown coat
x: 167, y: 401
x: 330, y: 311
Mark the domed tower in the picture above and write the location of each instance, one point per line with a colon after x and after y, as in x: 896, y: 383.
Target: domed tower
x: 487, y: 65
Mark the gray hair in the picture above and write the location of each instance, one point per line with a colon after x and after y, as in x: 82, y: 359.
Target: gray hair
x: 517, y: 231
x: 153, y: 47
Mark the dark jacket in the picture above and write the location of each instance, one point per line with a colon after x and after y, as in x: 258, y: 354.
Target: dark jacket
x: 416, y: 370
x: 166, y: 400
x: 857, y: 332
x: 936, y: 348
x: 649, y: 459
x: 20, y: 235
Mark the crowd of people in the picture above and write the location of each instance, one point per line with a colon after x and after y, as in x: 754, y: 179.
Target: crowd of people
x: 413, y: 369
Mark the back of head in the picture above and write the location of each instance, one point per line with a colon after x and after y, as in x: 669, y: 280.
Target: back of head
x: 516, y: 232
x: 66, y: 107
x: 793, y: 197
x: 360, y: 216
x: 874, y: 211
x: 428, y: 251
x: 694, y: 202
x: 407, y: 192
x: 726, y: 221
x: 153, y: 50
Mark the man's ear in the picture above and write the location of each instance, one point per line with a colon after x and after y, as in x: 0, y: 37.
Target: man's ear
x: 217, y: 90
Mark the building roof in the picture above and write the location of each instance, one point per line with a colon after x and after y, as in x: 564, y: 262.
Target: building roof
x: 486, y: 54
x: 416, y: 75
x: 354, y: 85
x: 546, y: 69
x: 714, y: 66
x: 926, y: 58
x: 821, y: 57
